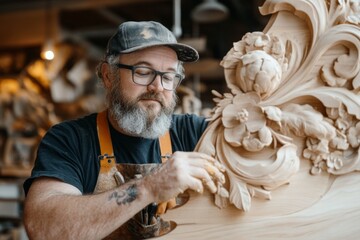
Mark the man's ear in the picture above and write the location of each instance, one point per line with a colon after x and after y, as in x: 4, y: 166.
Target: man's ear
x: 106, y: 74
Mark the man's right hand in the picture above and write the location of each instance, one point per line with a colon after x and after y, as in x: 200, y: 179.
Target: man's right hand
x: 182, y: 171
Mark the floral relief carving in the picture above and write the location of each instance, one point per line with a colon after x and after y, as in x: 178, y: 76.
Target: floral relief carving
x: 289, y: 101
x: 256, y: 64
x: 352, y: 10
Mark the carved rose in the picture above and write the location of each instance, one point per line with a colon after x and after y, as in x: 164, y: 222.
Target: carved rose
x: 255, y: 63
x: 258, y: 71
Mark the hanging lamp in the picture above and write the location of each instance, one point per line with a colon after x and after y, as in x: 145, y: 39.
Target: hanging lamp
x: 47, y: 52
x: 210, y: 11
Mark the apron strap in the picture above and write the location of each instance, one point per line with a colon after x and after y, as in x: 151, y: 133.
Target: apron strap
x: 165, y: 146
x: 106, y: 147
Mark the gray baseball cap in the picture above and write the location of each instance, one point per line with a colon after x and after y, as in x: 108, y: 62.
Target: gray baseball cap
x: 133, y: 36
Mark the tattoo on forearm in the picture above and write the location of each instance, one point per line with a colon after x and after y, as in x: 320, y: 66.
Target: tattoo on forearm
x: 124, y: 196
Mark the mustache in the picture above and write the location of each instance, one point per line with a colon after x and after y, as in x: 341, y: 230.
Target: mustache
x: 152, y: 96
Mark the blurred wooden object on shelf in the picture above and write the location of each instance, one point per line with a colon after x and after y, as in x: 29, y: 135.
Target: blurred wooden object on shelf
x: 25, y: 115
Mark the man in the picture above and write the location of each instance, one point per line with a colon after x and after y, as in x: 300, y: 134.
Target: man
x: 140, y: 72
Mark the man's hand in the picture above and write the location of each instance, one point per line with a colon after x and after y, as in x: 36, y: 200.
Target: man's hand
x: 185, y: 170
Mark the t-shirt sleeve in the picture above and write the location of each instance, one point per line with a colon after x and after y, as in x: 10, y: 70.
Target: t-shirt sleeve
x: 58, y: 157
x: 187, y: 129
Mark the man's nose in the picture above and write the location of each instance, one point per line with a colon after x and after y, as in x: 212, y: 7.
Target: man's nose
x: 156, y: 85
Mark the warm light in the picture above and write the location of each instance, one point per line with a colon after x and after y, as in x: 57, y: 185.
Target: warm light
x: 49, y: 55
x: 48, y: 51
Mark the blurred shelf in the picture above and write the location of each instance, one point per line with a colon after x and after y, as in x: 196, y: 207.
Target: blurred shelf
x: 15, y: 172
x: 10, y: 219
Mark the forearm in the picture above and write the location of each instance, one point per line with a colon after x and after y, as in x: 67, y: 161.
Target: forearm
x: 55, y: 210
x: 67, y: 216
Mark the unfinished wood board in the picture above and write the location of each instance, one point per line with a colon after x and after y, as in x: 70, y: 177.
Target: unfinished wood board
x: 335, y: 216
x: 288, y: 131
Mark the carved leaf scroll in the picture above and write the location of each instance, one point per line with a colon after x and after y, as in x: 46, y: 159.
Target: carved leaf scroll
x: 287, y: 90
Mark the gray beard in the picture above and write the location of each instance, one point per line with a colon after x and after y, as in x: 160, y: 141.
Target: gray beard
x: 136, y: 121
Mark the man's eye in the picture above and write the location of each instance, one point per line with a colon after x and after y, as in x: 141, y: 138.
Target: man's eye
x: 143, y: 72
x: 167, y: 78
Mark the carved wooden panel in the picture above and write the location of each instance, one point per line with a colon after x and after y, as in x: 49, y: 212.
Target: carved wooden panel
x: 288, y: 131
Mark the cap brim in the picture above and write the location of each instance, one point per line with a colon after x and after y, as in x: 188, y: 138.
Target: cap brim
x: 184, y: 52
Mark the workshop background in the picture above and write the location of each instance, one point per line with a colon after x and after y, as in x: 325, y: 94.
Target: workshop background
x: 48, y: 53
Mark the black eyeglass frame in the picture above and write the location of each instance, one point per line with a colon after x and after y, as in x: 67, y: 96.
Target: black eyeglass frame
x: 134, y: 67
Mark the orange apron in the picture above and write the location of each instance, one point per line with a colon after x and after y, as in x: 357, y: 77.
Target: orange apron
x: 112, y: 175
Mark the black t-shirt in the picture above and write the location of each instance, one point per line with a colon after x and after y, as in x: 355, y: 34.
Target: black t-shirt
x: 69, y: 151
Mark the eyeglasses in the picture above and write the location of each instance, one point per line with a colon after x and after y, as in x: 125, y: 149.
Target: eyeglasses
x: 145, y: 76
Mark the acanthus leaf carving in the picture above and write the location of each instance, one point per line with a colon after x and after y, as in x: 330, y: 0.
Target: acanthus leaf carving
x: 287, y: 94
